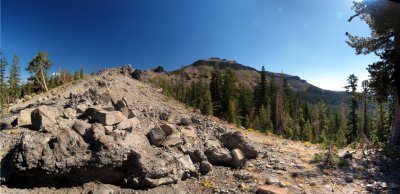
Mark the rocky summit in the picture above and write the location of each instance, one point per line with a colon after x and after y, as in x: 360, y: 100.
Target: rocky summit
x: 110, y: 133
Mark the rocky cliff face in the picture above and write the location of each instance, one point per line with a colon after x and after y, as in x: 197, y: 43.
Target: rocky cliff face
x: 114, y: 129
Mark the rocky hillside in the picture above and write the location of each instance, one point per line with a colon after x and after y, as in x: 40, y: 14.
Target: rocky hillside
x: 202, y: 69
x: 113, y: 134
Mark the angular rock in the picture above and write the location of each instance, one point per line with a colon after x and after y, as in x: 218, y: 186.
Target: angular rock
x: 233, y: 140
x: 156, y: 136
x: 150, y: 182
x: 70, y: 113
x: 44, y: 116
x: 120, y: 104
x: 24, y: 117
x: 81, y: 108
x: 271, y: 189
x: 81, y: 126
x: 218, y: 155
x: 189, y: 132
x: 109, y: 117
x: 238, y: 158
x: 187, y: 163
x: 168, y: 128
x: 128, y: 112
x: 128, y: 123
x: 173, y: 140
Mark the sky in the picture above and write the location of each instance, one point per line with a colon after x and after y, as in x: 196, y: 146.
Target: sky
x: 298, y: 37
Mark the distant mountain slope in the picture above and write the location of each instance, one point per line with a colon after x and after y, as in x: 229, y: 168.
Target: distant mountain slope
x: 202, y: 69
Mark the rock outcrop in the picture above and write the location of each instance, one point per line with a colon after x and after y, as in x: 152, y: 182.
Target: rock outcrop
x: 90, y: 136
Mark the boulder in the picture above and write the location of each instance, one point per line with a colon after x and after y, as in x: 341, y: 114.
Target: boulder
x: 187, y: 163
x: 109, y: 117
x: 271, y: 189
x: 24, y: 117
x: 217, y: 154
x: 156, y: 136
x: 189, y: 132
x: 128, y: 112
x: 70, y: 113
x: 168, y: 128
x: 233, y: 140
x: 44, y: 116
x: 120, y: 104
x: 173, y: 140
x: 128, y: 123
x: 81, y: 126
x: 238, y: 158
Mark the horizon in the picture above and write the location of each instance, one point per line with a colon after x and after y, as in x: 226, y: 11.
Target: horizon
x: 299, y: 38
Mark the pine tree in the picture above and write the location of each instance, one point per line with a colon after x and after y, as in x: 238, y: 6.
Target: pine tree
x: 260, y: 93
x: 364, y: 125
x: 352, y: 87
x: 342, y: 126
x: 383, y: 18
x: 76, y: 75
x: 245, y: 104
x: 216, y: 91
x: 232, y: 111
x: 14, y: 79
x: 207, y: 107
x: 229, y: 90
x: 39, y: 66
x: 3, y: 93
x: 81, y: 74
x: 68, y: 76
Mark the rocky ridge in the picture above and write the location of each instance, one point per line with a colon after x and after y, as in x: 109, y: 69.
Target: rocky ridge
x: 92, y: 133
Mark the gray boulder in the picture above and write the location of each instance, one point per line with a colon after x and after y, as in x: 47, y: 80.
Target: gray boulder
x: 233, y: 140
x: 24, y: 117
x: 238, y: 158
x: 44, y: 116
x: 156, y: 136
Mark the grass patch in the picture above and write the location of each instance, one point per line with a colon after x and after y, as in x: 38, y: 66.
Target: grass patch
x: 308, y: 144
x: 208, y: 184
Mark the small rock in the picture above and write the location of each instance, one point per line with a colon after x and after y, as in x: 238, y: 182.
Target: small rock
x: 173, y: 140
x: 185, y: 122
x: 205, y: 167
x: 313, y: 184
x: 70, y: 113
x: 156, y: 136
x: 384, y: 185
x: 80, y: 127
x: 370, y: 187
x: 168, y: 128
x: 241, y: 175
x: 281, y: 184
x: 164, y: 116
x: 271, y: 189
x: 348, y: 179
x: 81, y: 108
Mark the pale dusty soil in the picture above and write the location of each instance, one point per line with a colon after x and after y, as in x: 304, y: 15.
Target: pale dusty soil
x: 293, y: 155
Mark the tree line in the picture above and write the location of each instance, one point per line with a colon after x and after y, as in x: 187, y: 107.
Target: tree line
x: 12, y: 87
x: 272, y: 107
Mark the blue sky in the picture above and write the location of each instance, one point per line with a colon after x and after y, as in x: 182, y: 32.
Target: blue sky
x: 298, y: 37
